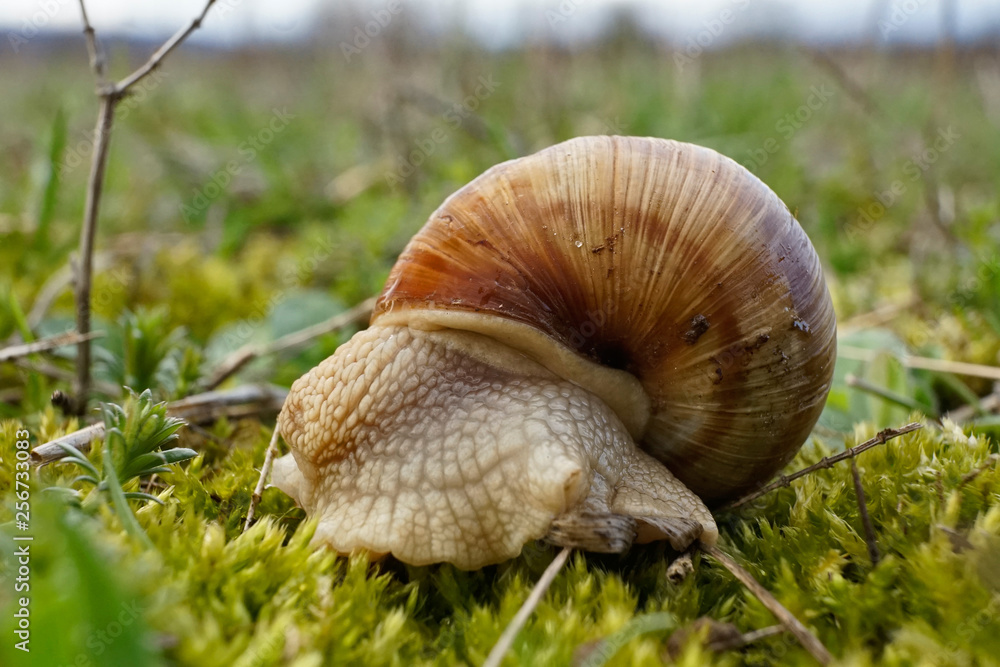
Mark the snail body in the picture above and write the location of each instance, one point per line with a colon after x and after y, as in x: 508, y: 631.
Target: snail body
x: 592, y: 345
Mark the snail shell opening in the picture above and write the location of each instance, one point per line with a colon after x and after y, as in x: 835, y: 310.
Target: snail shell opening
x: 660, y: 276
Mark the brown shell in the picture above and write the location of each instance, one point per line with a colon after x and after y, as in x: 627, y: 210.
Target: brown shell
x: 664, y: 259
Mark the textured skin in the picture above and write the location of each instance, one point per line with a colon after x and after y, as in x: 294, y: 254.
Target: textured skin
x: 447, y: 446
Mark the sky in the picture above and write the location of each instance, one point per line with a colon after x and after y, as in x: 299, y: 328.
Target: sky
x: 503, y: 23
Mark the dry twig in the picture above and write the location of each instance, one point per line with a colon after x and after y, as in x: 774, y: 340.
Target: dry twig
x: 924, y: 363
x: 987, y: 405
x: 110, y: 94
x: 866, y: 520
x: 808, y: 640
x: 45, y: 344
x: 241, y: 357
x: 265, y: 472
x: 880, y: 438
x: 239, y: 402
x: 537, y: 593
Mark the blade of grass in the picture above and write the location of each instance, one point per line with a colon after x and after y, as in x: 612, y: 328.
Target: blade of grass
x: 50, y: 192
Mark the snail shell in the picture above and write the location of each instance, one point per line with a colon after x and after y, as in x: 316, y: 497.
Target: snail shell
x: 571, y: 317
x: 663, y: 259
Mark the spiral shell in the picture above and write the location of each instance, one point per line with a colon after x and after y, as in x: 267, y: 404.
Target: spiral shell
x: 662, y: 259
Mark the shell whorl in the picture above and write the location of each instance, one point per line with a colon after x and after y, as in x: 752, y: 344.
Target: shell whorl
x: 663, y: 259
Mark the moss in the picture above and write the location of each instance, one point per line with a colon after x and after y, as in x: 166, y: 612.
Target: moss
x: 213, y: 595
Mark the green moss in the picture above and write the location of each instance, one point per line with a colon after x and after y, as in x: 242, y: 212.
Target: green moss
x: 213, y: 595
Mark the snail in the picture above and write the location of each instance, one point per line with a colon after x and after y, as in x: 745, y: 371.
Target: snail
x: 591, y: 345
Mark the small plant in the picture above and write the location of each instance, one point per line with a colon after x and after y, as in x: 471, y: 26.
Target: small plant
x: 144, y: 352
x: 133, y: 448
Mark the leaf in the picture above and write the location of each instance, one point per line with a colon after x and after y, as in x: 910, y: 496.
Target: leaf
x: 147, y: 464
x: 139, y: 495
x: 73, y: 455
x: 120, y: 502
x: 606, y: 649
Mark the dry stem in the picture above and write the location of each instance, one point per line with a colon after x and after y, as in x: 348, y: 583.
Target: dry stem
x: 808, y: 640
x: 45, y: 344
x: 265, y: 472
x: 882, y: 437
x: 537, y: 593
x: 866, y: 520
x: 924, y: 363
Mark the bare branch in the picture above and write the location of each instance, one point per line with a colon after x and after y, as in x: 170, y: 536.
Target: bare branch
x: 97, y: 59
x: 121, y: 88
x: 524, y: 613
x: 265, y: 472
x: 45, y: 344
x: 880, y: 438
x: 808, y: 640
x: 109, y: 94
x: 84, y: 269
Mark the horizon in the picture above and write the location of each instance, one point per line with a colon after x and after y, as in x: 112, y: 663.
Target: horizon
x: 498, y: 26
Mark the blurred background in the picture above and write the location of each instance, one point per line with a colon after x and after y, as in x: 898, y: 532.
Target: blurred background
x: 270, y: 172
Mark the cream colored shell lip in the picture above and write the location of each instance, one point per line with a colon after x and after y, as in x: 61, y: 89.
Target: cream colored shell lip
x: 585, y: 345
x: 620, y: 390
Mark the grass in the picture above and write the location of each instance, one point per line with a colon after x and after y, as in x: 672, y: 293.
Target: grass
x: 311, y: 223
